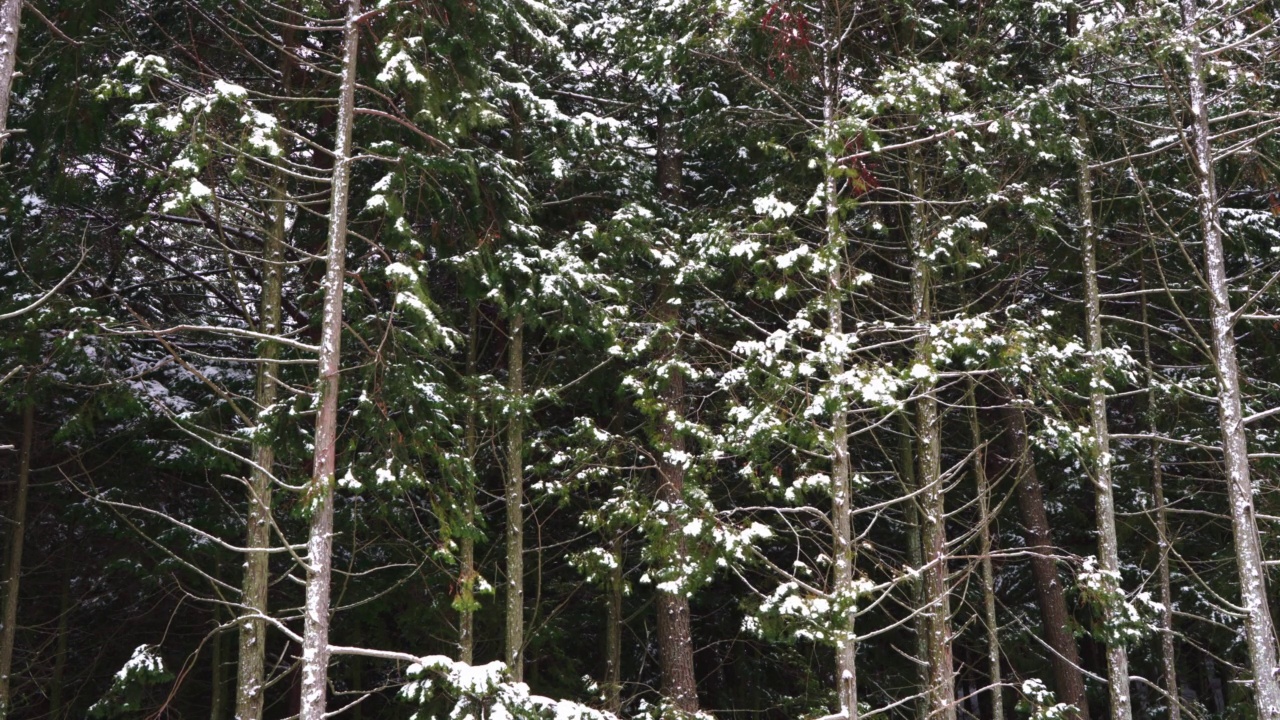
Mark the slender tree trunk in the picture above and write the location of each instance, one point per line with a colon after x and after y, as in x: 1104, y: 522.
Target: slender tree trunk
x: 1108, y: 544
x: 319, y: 496
x: 1168, y: 660
x: 1064, y: 655
x: 941, y: 688
x: 17, y: 531
x: 984, y: 548
x: 217, y: 698
x: 915, y: 553
x: 251, y: 673
x: 842, y: 548
x: 467, y: 571
x: 515, y: 499
x: 10, y: 21
x: 613, y: 636
x: 1259, y: 630
x: 255, y: 585
x: 675, y: 632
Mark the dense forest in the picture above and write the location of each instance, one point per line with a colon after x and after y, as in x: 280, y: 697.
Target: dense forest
x: 583, y: 359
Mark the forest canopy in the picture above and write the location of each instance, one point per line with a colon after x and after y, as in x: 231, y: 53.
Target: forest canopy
x: 599, y: 359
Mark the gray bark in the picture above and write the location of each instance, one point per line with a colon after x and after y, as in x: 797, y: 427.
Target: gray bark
x: 1108, y: 551
x: 1168, y: 659
x: 10, y: 21
x: 1259, y: 630
x: 842, y: 546
x: 940, y: 691
x: 319, y: 496
x: 613, y: 636
x: 251, y: 673
x: 515, y: 500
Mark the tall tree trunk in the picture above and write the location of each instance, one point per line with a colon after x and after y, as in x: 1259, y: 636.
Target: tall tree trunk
x: 984, y: 548
x: 515, y: 499
x: 613, y: 636
x: 1168, y: 660
x: 842, y: 547
x: 941, y: 688
x: 1108, y: 544
x: 467, y: 571
x: 915, y: 554
x: 1064, y: 655
x: 17, y: 532
x: 10, y: 21
x: 1259, y: 630
x: 675, y: 632
x: 319, y: 496
x: 255, y: 586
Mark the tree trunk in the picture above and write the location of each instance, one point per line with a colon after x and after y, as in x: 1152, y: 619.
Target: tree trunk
x: 1064, y: 655
x: 1259, y: 630
x: 255, y: 586
x: 675, y: 632
x: 515, y: 499
x: 915, y: 554
x: 319, y: 496
x: 10, y: 21
x: 842, y: 541
x: 1108, y: 550
x: 940, y: 692
x: 984, y: 547
x: 18, y: 529
x: 1168, y: 660
x: 613, y: 636
x: 467, y: 571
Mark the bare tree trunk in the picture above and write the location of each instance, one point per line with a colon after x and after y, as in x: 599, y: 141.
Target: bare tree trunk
x: 984, y: 548
x: 842, y: 541
x: 1168, y: 659
x: 18, y: 529
x: 915, y: 554
x: 319, y: 496
x: 256, y: 583
x: 467, y: 571
x: 10, y: 21
x: 1064, y: 655
x: 613, y: 636
x: 940, y: 691
x: 1108, y: 546
x: 1259, y: 630
x: 675, y: 632
x: 515, y: 499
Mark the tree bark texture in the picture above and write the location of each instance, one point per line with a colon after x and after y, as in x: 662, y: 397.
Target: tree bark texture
x: 1064, y: 654
x: 984, y: 549
x: 940, y: 692
x: 319, y: 496
x: 1108, y: 543
x: 10, y: 22
x: 1259, y: 630
x: 514, y: 492
x: 675, y: 631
